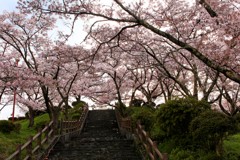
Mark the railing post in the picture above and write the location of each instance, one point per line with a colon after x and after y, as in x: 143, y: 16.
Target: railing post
x: 47, y: 133
x: 30, y: 147
x: 165, y: 156
x: 18, y: 156
x: 55, y: 129
x: 153, y: 149
x: 39, y: 139
x: 61, y: 127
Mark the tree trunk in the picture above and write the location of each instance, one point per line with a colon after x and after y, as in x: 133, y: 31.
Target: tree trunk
x: 31, y: 117
x: 219, y: 148
x: 55, y: 116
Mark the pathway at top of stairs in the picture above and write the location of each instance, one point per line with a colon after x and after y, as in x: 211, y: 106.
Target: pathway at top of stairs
x: 100, y: 140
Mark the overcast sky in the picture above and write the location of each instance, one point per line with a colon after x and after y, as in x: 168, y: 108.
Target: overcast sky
x: 7, y: 5
x: 77, y: 37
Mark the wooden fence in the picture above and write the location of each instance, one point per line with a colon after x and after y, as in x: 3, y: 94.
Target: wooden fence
x: 149, y: 145
x: 124, y: 123
x: 37, y: 147
x: 73, y: 128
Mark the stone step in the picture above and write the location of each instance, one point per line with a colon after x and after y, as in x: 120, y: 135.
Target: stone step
x: 100, y: 140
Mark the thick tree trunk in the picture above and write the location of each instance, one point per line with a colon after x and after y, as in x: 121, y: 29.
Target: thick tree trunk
x: 47, y: 101
x: 31, y: 117
x: 55, y: 117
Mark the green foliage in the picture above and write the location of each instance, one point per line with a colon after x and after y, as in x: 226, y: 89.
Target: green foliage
x: 237, y: 119
x: 231, y: 156
x: 175, y: 116
x: 75, y: 112
x: 203, y: 155
x: 9, y: 142
x: 17, y: 127
x: 40, y: 125
x: 137, y: 103
x: 157, y: 134
x: 76, y: 116
x: 179, y: 154
x: 144, y: 114
x: 231, y: 147
x: 7, y: 126
x: 186, y: 154
x: 170, y: 125
x: 79, y: 104
x: 209, y: 129
x: 167, y: 146
x: 149, y: 104
x: 121, y: 108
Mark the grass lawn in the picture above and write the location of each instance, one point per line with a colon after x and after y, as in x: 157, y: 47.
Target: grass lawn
x: 232, y: 145
x: 10, y: 142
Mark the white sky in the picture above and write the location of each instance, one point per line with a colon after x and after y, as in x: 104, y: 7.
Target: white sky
x: 7, y: 5
x: 76, y: 38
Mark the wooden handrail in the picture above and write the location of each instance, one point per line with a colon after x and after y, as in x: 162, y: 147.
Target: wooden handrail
x: 71, y: 126
x: 47, y: 137
x: 29, y: 146
x: 124, y: 123
x: 150, y: 146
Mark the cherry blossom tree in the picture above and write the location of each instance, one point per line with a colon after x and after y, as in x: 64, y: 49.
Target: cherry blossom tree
x: 187, y: 47
x: 228, y: 96
x: 189, y: 26
x: 54, y: 69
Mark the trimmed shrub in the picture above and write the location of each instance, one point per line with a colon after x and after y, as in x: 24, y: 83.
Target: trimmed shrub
x: 79, y: 104
x: 179, y: 154
x: 40, y: 125
x: 17, y: 127
x: 157, y: 133
x: 175, y: 116
x: 76, y: 116
x: 203, y: 155
x: 137, y: 103
x: 209, y: 128
x: 144, y: 114
x: 8, y: 126
x: 149, y: 104
x: 231, y: 156
x: 237, y: 119
x: 75, y: 112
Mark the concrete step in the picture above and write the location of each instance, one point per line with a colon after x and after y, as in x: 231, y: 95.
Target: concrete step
x: 100, y: 140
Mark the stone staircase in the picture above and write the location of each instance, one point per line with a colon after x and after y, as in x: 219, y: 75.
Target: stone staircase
x: 100, y: 140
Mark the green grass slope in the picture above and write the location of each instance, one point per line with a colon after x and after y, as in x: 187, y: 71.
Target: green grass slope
x: 10, y: 142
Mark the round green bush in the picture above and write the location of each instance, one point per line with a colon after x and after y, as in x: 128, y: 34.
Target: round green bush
x: 231, y: 156
x: 8, y: 126
x: 144, y: 114
x: 78, y: 104
x: 175, y: 116
x: 179, y: 154
x: 76, y: 116
x: 17, y: 127
x: 40, y: 125
x: 137, y: 103
x: 209, y: 128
